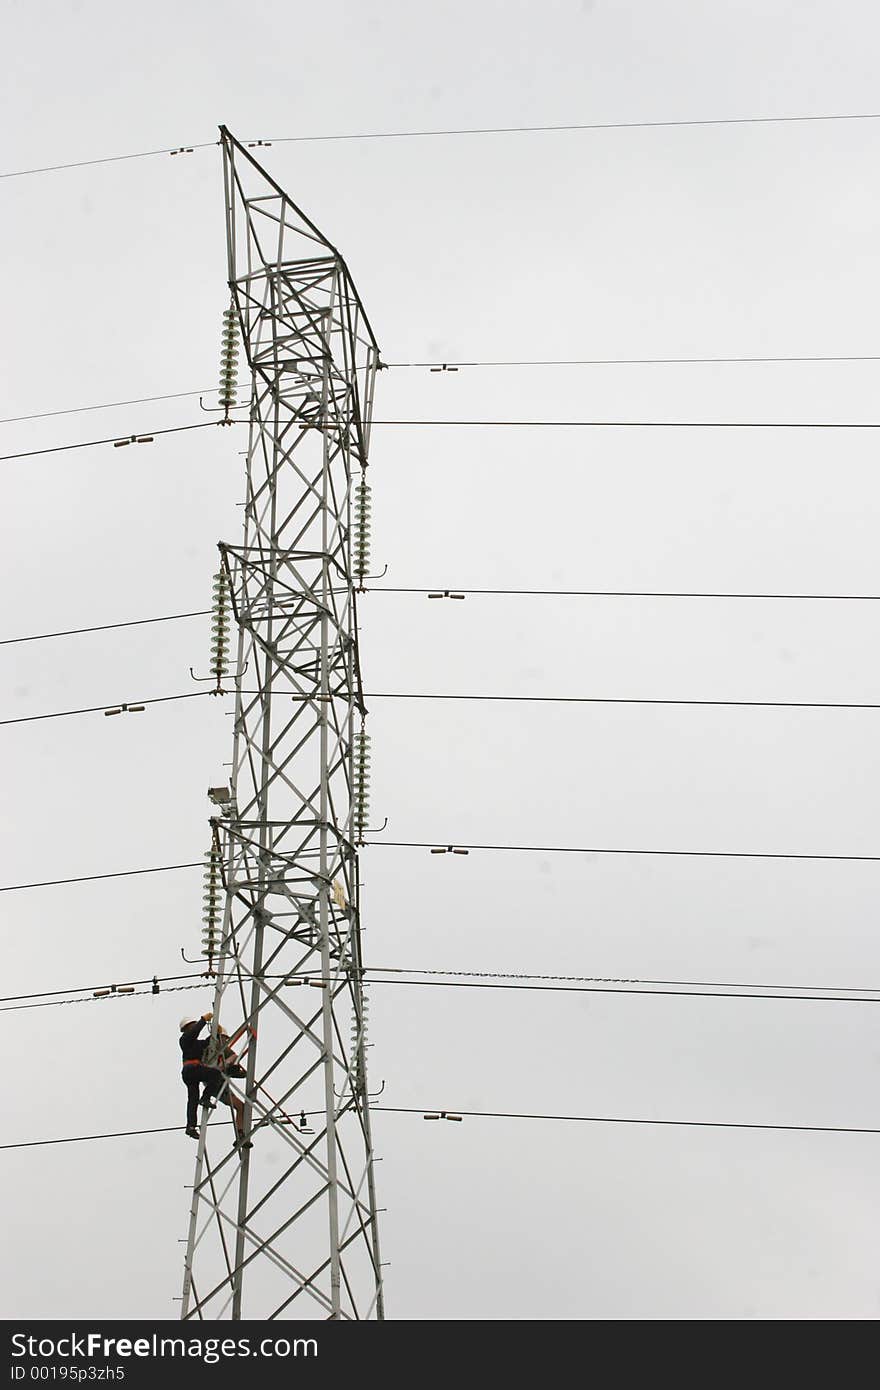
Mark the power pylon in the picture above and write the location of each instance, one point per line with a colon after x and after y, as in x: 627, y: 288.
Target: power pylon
x: 293, y: 1218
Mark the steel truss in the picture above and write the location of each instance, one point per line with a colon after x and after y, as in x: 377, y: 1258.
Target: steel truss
x: 296, y: 1213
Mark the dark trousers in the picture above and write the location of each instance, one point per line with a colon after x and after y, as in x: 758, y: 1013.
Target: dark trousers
x: 193, y: 1077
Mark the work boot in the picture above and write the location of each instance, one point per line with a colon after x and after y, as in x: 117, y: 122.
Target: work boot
x: 193, y: 1133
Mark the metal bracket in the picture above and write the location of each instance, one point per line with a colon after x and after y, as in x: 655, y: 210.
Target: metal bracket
x: 199, y: 960
x: 227, y: 675
x: 371, y: 1095
x: 217, y: 409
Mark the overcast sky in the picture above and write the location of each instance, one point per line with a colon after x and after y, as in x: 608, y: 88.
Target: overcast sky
x: 677, y: 242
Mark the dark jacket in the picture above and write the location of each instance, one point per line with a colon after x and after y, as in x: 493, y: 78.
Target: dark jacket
x: 191, y: 1045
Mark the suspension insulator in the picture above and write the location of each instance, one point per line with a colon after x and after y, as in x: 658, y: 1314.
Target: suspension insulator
x: 362, y: 538
x: 211, y: 904
x: 220, y: 626
x: 229, y: 360
x: 358, y: 1043
x: 361, y: 783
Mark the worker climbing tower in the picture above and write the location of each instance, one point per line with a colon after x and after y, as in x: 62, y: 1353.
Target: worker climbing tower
x: 285, y: 1225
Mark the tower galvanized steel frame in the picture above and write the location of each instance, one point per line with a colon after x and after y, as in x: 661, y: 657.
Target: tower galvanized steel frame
x: 292, y: 1221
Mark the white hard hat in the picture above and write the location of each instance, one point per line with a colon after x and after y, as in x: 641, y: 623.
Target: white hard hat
x: 186, y: 1021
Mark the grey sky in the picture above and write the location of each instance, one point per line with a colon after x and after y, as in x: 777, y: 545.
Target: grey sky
x: 676, y: 242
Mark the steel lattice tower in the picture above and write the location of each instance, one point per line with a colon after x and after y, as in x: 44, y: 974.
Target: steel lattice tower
x: 294, y: 1216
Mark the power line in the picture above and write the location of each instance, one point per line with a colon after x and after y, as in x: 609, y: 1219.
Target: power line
x: 516, y: 699
x: 145, y: 437
x: 522, y: 424
x: 87, y: 1138
x: 618, y: 593
x: 514, y: 849
x: 498, y: 980
x: 106, y: 405
x: 624, y: 362
x: 456, y: 131
x: 461, y: 364
x: 603, y: 849
x: 793, y: 991
x: 82, y: 989
x: 486, y: 1115
x: 854, y: 998
x: 17, y: 1003
x: 621, y: 1120
x: 93, y: 878
x: 592, y: 125
x: 438, y: 366
x: 641, y: 424
x: 106, y: 159
x: 809, y: 990
x: 94, y: 999
x: 505, y: 593
x: 619, y: 700
x: 103, y: 627
x: 100, y: 709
